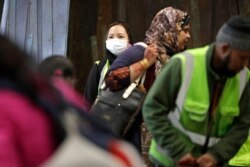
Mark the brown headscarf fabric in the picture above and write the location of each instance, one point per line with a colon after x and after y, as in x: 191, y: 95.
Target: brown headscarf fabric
x: 164, y: 30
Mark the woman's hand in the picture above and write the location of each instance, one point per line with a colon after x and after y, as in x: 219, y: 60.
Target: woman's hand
x: 150, y: 57
x: 151, y: 54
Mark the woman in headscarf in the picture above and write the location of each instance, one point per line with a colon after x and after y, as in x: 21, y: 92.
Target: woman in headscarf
x: 167, y: 35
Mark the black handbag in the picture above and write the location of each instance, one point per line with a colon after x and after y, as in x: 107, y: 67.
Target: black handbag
x: 118, y: 109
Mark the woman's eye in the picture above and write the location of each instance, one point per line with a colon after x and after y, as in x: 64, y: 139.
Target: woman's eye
x: 121, y: 37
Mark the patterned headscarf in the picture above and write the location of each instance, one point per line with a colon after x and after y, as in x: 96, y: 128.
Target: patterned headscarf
x: 164, y: 31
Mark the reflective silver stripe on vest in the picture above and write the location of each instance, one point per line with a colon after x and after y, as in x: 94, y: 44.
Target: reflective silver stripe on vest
x: 187, y: 77
x: 174, y: 117
x: 194, y: 137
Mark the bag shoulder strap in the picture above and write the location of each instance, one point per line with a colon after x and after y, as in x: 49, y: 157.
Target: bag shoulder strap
x: 133, y: 85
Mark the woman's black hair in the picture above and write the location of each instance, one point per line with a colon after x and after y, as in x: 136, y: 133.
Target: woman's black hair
x: 126, y: 26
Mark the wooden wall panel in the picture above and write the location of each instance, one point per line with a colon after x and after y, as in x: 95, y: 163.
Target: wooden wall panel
x: 1, y: 7
x: 32, y: 28
x: 82, y: 26
x: 11, y: 21
x: 206, y: 18
x: 38, y: 27
x: 88, y: 21
x: 60, y: 26
x: 136, y: 18
x: 104, y: 18
x: 47, y: 28
x: 195, y: 23
x: 244, y: 7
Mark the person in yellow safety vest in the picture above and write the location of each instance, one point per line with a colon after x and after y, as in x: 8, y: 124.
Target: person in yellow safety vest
x: 198, y: 108
x: 118, y: 38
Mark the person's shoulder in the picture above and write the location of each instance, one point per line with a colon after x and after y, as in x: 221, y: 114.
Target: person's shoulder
x: 70, y: 94
x: 135, y: 49
x: 9, y: 97
x: 16, y: 105
x: 141, y: 44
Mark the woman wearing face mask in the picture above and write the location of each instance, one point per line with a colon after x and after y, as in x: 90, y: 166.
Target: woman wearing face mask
x: 118, y: 39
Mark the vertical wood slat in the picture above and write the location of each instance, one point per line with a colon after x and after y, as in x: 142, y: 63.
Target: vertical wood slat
x: 21, y: 21
x: 38, y: 26
x: 39, y: 30
x: 60, y: 17
x: 195, y: 22
x: 137, y: 18
x: 104, y: 19
x: 28, y: 36
x: 46, y: 29
x: 11, y: 26
x: 32, y: 29
x: 82, y: 25
x: 122, y: 10
x: 4, y: 15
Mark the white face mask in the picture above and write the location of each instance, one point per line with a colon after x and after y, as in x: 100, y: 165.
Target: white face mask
x: 116, y: 46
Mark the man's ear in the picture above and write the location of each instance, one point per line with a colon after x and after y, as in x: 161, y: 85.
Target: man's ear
x: 225, y: 48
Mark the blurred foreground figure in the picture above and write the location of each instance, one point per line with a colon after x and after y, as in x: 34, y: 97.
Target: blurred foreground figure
x: 58, y: 66
x: 32, y: 122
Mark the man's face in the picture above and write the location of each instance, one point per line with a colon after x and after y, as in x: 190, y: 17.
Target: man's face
x: 234, y: 61
x: 183, y: 37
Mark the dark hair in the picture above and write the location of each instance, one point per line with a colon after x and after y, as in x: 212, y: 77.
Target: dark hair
x: 185, y: 20
x: 52, y: 63
x: 126, y: 26
x: 16, y: 66
x: 18, y: 72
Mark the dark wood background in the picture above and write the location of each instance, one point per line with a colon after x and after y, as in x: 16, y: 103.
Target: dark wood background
x: 88, y: 20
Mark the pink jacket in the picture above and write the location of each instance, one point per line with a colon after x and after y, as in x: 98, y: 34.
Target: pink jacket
x: 26, y: 137
x: 26, y: 133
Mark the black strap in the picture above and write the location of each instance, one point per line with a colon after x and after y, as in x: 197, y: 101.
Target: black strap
x: 211, y: 114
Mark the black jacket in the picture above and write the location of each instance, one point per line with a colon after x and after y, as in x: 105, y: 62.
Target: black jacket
x: 91, y: 87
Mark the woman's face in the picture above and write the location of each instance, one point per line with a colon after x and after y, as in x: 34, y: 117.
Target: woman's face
x: 117, y: 31
x: 117, y: 40
x: 183, y: 37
